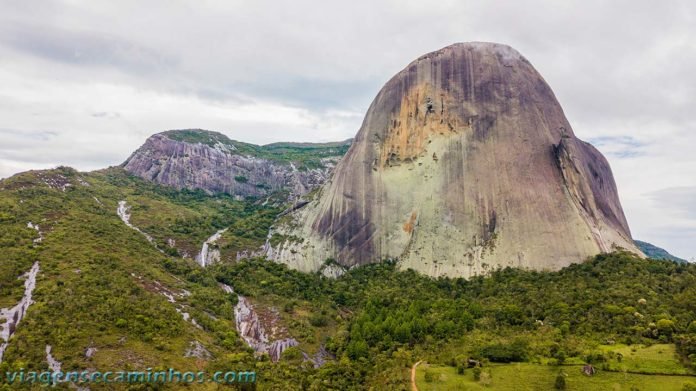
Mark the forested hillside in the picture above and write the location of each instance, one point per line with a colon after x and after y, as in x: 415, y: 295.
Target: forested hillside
x: 109, y: 296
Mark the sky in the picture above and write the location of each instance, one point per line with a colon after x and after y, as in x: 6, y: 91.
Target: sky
x: 84, y: 83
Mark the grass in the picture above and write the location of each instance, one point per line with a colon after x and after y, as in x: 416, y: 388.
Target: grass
x: 659, y: 359
x: 95, y: 287
x: 524, y: 376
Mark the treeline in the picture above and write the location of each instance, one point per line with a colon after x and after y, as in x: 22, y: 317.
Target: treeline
x: 511, y: 315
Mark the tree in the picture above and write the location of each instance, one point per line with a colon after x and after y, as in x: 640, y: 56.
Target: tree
x: 403, y: 333
x: 560, y: 381
x: 692, y: 328
x: 460, y: 362
x: 560, y: 356
x: 357, y: 349
x: 665, y: 327
x: 564, y: 328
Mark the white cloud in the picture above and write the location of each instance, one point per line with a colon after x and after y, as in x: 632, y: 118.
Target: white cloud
x: 92, y: 125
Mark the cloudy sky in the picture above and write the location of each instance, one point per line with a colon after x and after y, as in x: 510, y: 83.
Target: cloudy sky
x: 83, y: 83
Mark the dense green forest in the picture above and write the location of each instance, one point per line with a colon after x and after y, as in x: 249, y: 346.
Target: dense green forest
x: 392, y: 318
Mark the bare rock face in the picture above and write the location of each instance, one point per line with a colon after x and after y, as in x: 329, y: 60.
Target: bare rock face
x: 464, y: 163
x: 199, y: 159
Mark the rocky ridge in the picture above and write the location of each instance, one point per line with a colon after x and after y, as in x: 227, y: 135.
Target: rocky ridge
x: 199, y: 159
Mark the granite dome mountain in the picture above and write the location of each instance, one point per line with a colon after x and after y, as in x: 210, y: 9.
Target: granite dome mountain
x: 464, y: 163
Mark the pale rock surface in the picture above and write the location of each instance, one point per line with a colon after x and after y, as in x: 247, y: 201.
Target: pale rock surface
x: 10, y: 317
x: 464, y: 163
x: 210, y: 253
x: 197, y: 350
x: 218, y: 168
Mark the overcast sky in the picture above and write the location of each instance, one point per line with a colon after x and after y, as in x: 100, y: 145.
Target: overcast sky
x: 84, y: 83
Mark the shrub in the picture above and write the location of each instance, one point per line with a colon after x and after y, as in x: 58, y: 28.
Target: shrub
x: 692, y: 328
x: 430, y: 376
x: 318, y: 320
x: 665, y: 327
x: 289, y: 307
x: 686, y: 345
x: 560, y: 381
x: 485, y: 379
x: 292, y: 354
x: 477, y: 373
x: 505, y: 353
x: 595, y: 358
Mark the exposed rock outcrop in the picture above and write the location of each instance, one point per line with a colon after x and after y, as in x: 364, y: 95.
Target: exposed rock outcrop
x: 39, y: 239
x: 197, y: 350
x: 464, y: 163
x: 262, y: 334
x: 10, y: 317
x: 276, y: 348
x: 170, y: 294
x: 209, y: 252
x: 123, y: 212
x: 90, y: 352
x: 320, y: 357
x: 249, y: 326
x: 53, y: 364
x: 199, y: 159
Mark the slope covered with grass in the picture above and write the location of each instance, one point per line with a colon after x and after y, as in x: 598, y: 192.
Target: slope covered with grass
x: 103, y: 285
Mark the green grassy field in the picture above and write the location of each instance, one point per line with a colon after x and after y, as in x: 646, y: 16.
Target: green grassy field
x: 658, y: 359
x: 524, y: 376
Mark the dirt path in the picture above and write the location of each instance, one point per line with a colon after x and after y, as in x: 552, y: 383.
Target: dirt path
x: 414, y: 387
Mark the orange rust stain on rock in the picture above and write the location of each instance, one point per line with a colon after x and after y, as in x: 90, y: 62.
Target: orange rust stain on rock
x: 423, y: 113
x: 408, y: 226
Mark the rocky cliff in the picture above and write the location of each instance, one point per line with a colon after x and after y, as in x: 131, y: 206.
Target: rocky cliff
x: 464, y: 163
x: 199, y: 159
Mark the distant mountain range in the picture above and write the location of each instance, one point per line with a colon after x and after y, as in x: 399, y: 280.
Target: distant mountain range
x: 655, y: 252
